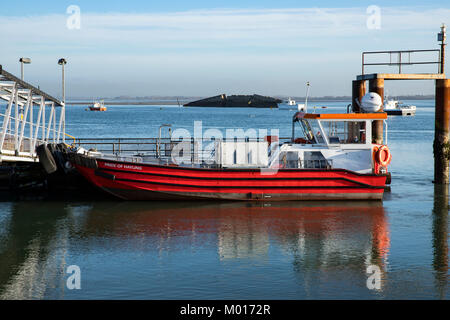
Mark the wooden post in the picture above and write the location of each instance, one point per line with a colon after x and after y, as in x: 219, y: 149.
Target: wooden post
x: 377, y: 85
x: 441, y: 147
x: 358, y: 91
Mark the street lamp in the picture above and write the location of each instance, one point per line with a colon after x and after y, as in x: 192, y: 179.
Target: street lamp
x: 306, y: 97
x: 22, y: 62
x: 62, y: 62
x: 442, y: 37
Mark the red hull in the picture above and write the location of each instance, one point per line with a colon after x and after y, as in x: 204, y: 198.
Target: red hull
x: 133, y: 181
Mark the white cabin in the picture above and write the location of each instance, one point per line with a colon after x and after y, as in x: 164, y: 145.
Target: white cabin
x: 319, y: 141
x: 339, y: 141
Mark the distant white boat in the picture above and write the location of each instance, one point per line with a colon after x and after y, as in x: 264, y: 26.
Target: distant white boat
x: 290, y: 104
x: 287, y: 104
x: 397, y: 108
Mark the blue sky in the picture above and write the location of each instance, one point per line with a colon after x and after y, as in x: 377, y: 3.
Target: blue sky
x: 201, y: 48
x: 30, y: 7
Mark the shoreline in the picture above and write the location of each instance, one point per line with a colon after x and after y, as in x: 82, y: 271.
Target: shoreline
x: 181, y: 103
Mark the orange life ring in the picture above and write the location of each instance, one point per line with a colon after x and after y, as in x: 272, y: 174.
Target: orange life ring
x: 383, y: 156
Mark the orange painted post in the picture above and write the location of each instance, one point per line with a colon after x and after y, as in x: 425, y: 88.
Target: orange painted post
x: 377, y: 85
x: 441, y: 147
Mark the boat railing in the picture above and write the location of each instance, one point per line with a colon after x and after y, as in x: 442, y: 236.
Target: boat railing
x: 160, y: 150
x: 198, y: 152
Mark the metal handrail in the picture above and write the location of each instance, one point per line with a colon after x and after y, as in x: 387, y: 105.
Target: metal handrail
x: 34, y: 126
x: 72, y: 137
x: 399, y: 53
x: 153, y: 147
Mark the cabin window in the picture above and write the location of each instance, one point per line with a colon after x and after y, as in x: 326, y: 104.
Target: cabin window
x: 345, y: 132
x: 311, y: 132
x: 307, y: 131
x: 317, y: 131
x: 289, y: 159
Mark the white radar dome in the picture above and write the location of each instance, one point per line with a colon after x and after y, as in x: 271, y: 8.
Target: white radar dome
x: 371, y: 102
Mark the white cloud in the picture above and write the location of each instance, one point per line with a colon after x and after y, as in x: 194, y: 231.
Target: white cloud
x: 241, y: 42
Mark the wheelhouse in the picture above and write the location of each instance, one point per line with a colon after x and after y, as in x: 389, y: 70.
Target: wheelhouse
x: 352, y: 129
x: 333, y: 141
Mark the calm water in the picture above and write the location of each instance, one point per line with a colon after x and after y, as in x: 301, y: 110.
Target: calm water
x: 209, y: 250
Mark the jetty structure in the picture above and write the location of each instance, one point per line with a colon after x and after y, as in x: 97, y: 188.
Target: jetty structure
x: 30, y: 118
x: 236, y: 101
x: 401, y: 59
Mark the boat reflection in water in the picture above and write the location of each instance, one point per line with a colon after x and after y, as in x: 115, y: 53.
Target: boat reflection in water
x: 306, y: 238
x: 245, y: 230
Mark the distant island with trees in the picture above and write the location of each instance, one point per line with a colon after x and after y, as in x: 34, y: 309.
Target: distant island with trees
x: 182, y: 100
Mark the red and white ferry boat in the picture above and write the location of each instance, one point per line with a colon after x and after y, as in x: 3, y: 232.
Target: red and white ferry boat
x: 329, y: 157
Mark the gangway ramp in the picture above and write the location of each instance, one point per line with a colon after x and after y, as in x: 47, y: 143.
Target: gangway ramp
x: 29, y: 118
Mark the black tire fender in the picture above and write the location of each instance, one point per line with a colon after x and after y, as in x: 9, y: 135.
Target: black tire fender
x: 46, y: 158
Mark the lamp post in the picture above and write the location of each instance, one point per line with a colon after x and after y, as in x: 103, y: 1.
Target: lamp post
x: 22, y: 62
x: 62, y: 62
x: 442, y: 37
x: 306, y: 97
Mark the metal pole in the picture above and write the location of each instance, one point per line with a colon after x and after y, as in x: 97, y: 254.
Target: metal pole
x: 63, y: 86
x: 306, y: 98
x: 63, y: 110
x: 22, y: 62
x: 442, y: 37
x: 362, y: 64
x: 63, y: 62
